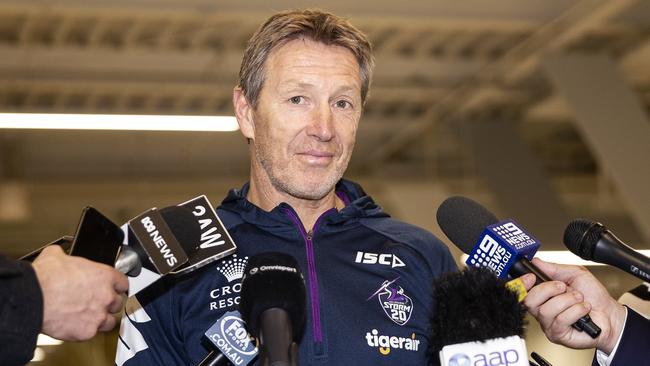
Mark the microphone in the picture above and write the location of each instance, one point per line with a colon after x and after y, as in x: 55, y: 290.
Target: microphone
x: 479, y: 320
x: 234, y: 344
x: 204, y: 240
x: 502, y: 247
x: 273, y: 304
x: 592, y: 241
x: 159, y: 240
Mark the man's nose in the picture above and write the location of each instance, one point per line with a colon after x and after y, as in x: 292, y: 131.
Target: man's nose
x: 321, y: 124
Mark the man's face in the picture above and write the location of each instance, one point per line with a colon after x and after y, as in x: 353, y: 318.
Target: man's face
x: 306, y: 118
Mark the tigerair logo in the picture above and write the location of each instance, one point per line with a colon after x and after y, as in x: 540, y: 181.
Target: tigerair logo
x: 386, y: 344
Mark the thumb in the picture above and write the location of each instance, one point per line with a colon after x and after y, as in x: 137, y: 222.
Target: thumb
x: 558, y: 272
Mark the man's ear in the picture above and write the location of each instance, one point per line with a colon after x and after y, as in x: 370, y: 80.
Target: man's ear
x: 244, y: 113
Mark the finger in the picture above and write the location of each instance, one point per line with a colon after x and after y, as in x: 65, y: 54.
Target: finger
x: 550, y: 310
x: 120, y: 282
x: 571, y: 315
x: 529, y: 280
x: 116, y: 305
x: 108, y: 323
x: 541, y: 293
x: 559, y: 272
x: 50, y: 251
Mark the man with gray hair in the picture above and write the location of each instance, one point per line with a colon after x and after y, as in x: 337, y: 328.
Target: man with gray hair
x: 303, y: 82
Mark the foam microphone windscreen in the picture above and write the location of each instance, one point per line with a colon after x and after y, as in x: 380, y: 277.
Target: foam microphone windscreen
x: 473, y: 305
x: 273, y: 280
x: 463, y: 220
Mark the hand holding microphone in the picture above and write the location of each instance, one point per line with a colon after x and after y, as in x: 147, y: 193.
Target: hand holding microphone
x: 567, y: 294
x: 501, y: 246
x: 79, y: 296
x: 573, y: 293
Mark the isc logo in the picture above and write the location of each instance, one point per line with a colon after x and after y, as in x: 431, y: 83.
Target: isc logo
x: 383, y: 259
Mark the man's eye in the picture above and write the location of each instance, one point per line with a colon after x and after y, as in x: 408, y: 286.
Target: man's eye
x: 296, y: 100
x: 343, y: 104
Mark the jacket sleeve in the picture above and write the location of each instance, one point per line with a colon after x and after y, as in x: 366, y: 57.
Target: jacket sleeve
x: 21, y: 311
x: 634, y: 344
x: 149, y: 332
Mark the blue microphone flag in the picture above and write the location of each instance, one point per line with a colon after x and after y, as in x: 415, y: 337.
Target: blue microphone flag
x: 500, y: 246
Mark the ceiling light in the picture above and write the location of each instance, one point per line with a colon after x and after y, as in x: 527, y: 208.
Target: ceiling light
x: 127, y: 122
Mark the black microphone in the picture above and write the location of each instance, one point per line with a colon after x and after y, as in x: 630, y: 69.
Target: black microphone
x: 592, y: 241
x: 202, y: 237
x: 501, y: 246
x: 156, y: 240
x: 157, y: 243
x: 273, y: 305
x: 478, y: 317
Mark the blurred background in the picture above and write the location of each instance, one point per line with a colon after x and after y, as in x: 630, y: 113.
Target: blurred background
x: 537, y: 109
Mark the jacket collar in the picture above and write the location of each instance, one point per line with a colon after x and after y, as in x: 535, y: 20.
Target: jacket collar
x: 357, y: 205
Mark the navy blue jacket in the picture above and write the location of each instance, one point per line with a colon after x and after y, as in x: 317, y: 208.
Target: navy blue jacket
x: 635, y: 342
x: 368, y: 278
x: 21, y: 312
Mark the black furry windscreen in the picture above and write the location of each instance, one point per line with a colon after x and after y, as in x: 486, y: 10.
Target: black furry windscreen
x: 473, y: 305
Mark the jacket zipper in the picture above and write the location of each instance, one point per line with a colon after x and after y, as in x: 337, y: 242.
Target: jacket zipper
x: 311, y: 267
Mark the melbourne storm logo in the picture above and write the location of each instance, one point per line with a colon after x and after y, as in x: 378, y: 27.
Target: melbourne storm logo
x: 396, y: 304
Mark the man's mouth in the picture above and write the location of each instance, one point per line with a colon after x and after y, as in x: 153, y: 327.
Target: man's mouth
x: 316, y: 157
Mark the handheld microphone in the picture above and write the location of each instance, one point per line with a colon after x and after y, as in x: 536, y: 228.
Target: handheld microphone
x: 204, y: 240
x: 155, y: 243
x: 592, y: 241
x: 477, y: 318
x: 234, y: 344
x: 162, y: 238
x: 273, y: 304
x: 502, y: 247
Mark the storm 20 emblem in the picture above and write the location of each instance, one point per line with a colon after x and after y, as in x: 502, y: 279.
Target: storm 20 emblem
x: 396, y: 304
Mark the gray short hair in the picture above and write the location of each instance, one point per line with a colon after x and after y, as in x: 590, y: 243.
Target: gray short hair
x: 286, y: 26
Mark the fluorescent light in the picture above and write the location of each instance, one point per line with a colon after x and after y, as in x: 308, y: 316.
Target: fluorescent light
x: 39, y: 355
x: 128, y: 122
x: 45, y: 340
x: 563, y: 257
